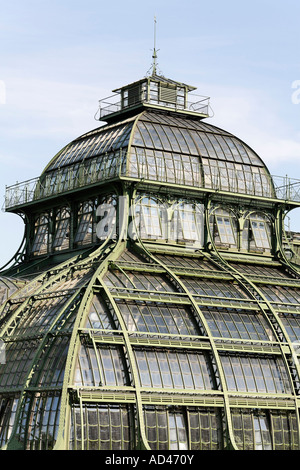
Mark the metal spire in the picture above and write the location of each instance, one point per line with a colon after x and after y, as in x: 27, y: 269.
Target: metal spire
x: 154, y: 57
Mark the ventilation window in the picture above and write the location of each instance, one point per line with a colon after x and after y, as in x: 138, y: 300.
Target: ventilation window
x: 134, y: 95
x: 168, y: 93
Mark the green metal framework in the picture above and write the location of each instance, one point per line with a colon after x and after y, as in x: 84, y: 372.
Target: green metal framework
x: 154, y: 303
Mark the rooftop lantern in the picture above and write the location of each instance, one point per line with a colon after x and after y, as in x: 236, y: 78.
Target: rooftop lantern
x: 154, y: 92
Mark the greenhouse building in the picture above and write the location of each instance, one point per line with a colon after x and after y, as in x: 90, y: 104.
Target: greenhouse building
x: 154, y: 303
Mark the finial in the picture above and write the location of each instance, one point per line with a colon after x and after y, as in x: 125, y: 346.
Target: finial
x: 154, y: 65
x: 155, y: 51
x: 154, y: 57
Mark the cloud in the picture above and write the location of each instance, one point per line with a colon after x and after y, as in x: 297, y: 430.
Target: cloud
x: 40, y: 107
x: 254, y: 117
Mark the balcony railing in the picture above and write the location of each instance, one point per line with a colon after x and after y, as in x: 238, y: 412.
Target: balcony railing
x: 65, y: 180
x: 112, y: 166
x: 287, y: 189
x: 196, y: 104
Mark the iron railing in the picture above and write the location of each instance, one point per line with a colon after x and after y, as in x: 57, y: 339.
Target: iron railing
x: 65, y: 180
x: 111, y: 166
x: 196, y: 104
x: 287, y: 189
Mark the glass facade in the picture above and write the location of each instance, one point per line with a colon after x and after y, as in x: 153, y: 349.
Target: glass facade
x: 192, y: 153
x: 152, y: 305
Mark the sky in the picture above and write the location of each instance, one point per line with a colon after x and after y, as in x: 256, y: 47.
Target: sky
x: 59, y: 58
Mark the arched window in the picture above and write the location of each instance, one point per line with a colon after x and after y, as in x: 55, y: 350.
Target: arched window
x: 187, y: 223
x: 85, y: 232
x: 41, y: 235
x: 256, y: 234
x: 61, y: 238
x: 107, y: 210
x: 150, y: 218
x: 224, y: 228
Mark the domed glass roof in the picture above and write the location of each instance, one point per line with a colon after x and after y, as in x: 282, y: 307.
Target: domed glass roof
x: 152, y: 305
x: 167, y: 149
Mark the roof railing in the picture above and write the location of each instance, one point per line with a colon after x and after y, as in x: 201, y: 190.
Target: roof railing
x: 197, y: 104
x: 107, y: 106
x: 287, y: 188
x: 75, y: 177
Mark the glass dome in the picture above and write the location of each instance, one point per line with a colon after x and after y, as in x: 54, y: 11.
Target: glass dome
x: 166, y: 149
x: 152, y: 305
